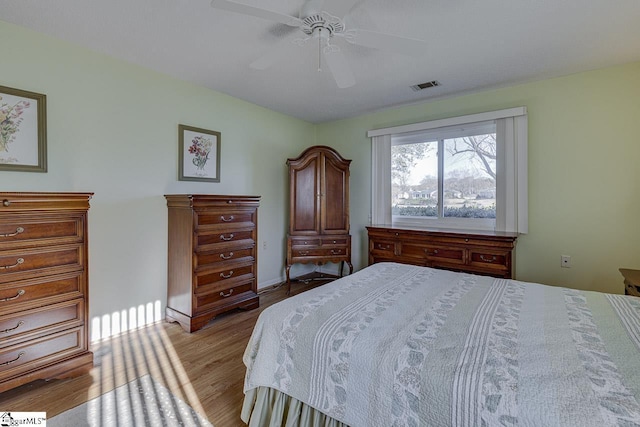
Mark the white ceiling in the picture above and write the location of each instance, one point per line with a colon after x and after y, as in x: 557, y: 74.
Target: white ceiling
x: 471, y: 45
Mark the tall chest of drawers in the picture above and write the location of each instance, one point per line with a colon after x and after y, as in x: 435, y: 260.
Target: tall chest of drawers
x: 43, y: 287
x: 212, y: 257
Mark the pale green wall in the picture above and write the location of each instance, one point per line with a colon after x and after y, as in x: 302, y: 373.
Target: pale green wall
x: 584, y: 184
x: 112, y: 130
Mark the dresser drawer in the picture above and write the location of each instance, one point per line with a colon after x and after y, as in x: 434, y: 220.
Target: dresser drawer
x: 494, y: 260
x: 341, y: 241
x: 207, y: 241
x: 433, y: 253
x: 206, y: 301
x: 304, y: 242
x: 24, y: 263
x: 226, y: 217
x: 319, y: 252
x: 16, y: 296
x: 27, y: 231
x: 221, y: 279
x: 210, y: 259
x: 20, y: 358
x: 382, y: 247
x: 39, y: 321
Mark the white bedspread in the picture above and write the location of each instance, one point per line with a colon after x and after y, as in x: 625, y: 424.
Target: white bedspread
x: 398, y: 345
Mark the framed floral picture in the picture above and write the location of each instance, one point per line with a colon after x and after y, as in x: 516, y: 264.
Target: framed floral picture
x: 23, y: 130
x: 198, y: 154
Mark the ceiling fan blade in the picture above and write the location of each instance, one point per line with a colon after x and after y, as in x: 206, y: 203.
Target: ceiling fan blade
x: 340, y: 69
x: 258, y: 12
x: 339, y: 8
x: 384, y: 41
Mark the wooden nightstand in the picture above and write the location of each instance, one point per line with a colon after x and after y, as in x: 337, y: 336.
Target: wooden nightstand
x: 631, y: 281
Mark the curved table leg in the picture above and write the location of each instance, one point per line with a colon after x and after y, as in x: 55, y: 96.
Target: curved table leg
x: 288, y: 280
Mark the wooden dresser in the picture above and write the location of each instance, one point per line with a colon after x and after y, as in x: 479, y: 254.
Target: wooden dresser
x: 318, y: 210
x: 485, y: 253
x: 212, y: 257
x: 631, y: 281
x: 43, y: 287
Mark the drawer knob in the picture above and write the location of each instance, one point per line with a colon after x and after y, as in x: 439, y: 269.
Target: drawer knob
x: 304, y: 253
x: 231, y: 218
x: 433, y: 252
x: 20, y: 323
x: 18, y: 295
x: 6, y: 203
x: 488, y: 259
x: 18, y: 262
x: 227, y: 257
x: 18, y: 231
x: 223, y: 295
x: 225, y: 238
x: 14, y: 360
x: 226, y: 276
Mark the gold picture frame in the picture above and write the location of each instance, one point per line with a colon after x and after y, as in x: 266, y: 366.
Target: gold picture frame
x: 198, y: 154
x: 23, y: 130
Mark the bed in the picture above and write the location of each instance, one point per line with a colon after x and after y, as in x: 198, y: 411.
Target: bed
x: 400, y: 345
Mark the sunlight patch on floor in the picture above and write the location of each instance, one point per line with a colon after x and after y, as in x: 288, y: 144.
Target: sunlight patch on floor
x: 109, y: 325
x: 129, y: 344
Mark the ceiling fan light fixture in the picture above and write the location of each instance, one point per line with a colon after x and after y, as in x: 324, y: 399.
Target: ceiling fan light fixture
x: 425, y: 85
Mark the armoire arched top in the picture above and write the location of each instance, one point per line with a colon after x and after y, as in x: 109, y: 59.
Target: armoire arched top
x: 319, y: 149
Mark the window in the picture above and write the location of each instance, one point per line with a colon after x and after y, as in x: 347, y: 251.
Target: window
x: 465, y: 172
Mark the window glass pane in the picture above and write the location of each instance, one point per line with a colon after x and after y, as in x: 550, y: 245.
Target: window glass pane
x: 470, y: 176
x: 414, y: 179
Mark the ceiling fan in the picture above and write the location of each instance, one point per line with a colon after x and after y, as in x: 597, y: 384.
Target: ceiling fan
x: 315, y: 23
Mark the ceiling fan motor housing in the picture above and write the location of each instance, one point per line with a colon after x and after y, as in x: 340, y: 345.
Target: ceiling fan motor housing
x: 322, y: 21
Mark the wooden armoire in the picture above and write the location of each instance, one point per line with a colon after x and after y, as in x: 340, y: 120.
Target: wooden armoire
x: 318, y: 211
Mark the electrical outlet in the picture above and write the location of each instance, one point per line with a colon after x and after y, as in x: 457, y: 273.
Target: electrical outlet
x: 565, y: 261
x: 264, y: 245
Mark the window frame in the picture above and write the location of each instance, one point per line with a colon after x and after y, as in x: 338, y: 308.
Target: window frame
x: 438, y: 136
x: 511, y: 165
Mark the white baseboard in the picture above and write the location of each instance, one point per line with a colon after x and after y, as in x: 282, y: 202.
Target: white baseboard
x: 270, y: 283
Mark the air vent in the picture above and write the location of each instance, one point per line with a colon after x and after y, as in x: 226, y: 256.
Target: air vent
x: 426, y: 85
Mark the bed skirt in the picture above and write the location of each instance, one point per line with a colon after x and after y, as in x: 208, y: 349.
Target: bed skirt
x: 266, y: 407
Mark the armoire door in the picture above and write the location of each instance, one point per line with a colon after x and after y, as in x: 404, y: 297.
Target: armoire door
x: 334, y: 210
x: 305, y: 195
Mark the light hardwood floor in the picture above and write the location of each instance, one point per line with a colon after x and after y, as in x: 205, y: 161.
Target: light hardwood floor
x: 204, y: 368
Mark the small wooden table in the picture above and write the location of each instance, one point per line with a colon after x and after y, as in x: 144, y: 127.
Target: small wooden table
x: 631, y: 281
